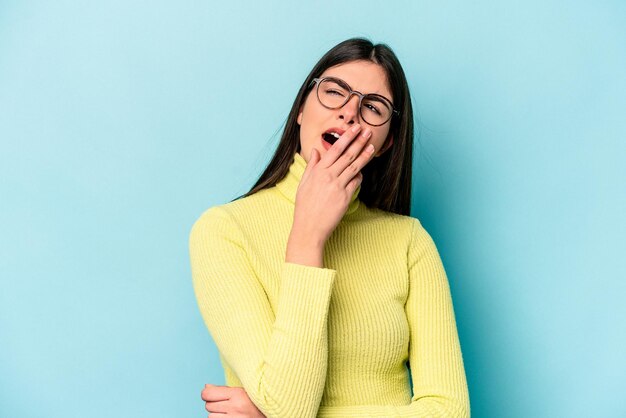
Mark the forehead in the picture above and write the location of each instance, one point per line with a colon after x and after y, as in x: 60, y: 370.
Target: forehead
x: 363, y: 76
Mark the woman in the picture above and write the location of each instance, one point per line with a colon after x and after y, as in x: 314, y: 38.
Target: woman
x: 323, y: 296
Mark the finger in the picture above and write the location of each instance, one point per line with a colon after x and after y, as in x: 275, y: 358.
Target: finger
x: 353, y: 152
x: 354, y: 183
x: 219, y: 406
x: 212, y: 393
x: 313, y: 160
x: 335, y: 151
x: 355, y: 167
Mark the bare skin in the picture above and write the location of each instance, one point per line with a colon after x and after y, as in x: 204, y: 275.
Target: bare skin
x: 226, y: 401
x: 327, y: 185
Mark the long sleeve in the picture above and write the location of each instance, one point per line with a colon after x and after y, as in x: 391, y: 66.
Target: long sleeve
x: 280, y: 357
x: 436, y: 363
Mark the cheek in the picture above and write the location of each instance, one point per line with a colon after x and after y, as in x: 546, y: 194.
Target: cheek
x: 305, y: 111
x: 380, y: 137
x: 309, y: 121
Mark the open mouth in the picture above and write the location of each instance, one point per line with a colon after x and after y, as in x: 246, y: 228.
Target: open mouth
x: 330, y: 137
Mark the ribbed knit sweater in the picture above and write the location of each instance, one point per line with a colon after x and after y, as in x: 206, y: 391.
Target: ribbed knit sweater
x: 330, y: 342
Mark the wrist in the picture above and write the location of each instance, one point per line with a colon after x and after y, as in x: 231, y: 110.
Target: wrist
x: 306, y: 240
x: 305, y: 250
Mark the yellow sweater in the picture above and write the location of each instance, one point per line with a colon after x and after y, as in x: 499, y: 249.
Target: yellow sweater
x: 328, y: 342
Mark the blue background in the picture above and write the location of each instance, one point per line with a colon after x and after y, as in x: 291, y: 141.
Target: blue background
x: 121, y: 122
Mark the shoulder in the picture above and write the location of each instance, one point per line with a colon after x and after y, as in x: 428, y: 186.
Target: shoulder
x: 229, y: 218
x: 212, y: 224
x: 237, y: 208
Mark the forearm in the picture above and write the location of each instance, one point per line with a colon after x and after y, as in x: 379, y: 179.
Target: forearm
x: 290, y: 381
x: 281, y: 364
x: 279, y: 353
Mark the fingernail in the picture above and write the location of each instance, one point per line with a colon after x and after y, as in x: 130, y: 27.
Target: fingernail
x: 367, y: 133
x: 370, y: 148
x: 356, y: 128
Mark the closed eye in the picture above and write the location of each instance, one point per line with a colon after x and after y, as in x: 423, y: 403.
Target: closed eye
x: 334, y: 92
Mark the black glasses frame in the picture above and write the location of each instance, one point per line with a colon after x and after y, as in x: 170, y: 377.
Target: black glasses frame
x: 360, y: 95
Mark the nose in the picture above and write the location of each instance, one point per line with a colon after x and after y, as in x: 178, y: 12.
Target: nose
x: 350, y: 111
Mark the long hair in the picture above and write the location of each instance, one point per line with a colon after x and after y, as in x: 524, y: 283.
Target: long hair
x: 387, y: 178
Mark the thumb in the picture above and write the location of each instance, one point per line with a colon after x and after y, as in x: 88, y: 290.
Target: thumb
x: 315, y: 156
x: 313, y: 160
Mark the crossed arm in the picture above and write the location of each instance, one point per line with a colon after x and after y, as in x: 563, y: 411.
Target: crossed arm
x: 283, y: 369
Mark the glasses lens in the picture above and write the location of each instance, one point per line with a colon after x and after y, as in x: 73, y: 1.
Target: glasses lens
x: 332, y: 94
x: 375, y: 110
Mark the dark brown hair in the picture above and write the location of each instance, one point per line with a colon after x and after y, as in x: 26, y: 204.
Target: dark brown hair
x: 387, y: 178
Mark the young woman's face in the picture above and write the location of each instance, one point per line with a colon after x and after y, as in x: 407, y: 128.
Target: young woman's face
x: 315, y: 119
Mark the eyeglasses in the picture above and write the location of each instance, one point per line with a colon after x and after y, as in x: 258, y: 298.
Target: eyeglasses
x: 334, y: 93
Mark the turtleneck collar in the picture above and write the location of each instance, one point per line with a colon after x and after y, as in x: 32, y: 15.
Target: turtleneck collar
x: 288, y: 186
